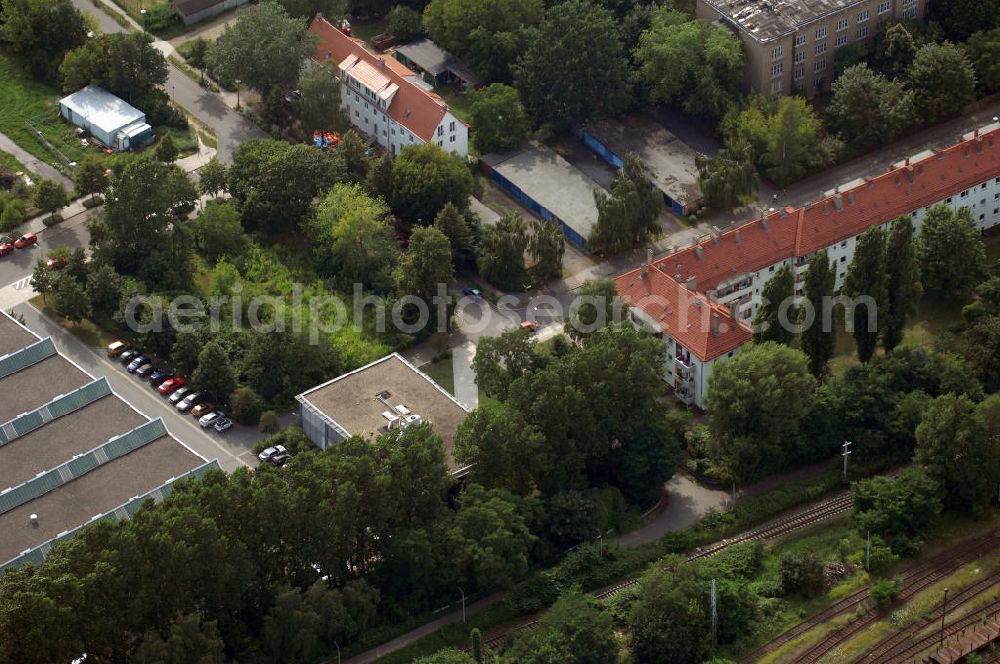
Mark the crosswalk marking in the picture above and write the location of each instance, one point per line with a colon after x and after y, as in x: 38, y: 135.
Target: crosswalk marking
x: 22, y: 283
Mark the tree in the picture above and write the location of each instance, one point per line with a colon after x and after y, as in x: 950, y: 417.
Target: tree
x: 960, y: 18
x: 264, y: 49
x: 405, y: 23
x: 547, y: 247
x: 818, y: 339
x: 942, y: 79
x: 729, y: 178
x: 866, y: 283
x: 70, y: 300
x: 793, y: 139
x: 166, y: 151
x: 669, y: 621
x: 897, y: 509
x: 902, y: 281
x: 275, y: 183
x: 957, y: 452
x: 756, y: 403
x: 125, y: 64
x: 319, y: 107
x: 378, y: 182
x: 575, y: 90
x: 43, y: 280
x: 185, y: 352
x: 426, y: 265
x: 89, y: 177
x: 690, y: 64
x: 214, y: 374
x: 352, y: 237
x: 455, y: 23
x: 775, y: 316
x: 884, y: 592
x: 104, y: 288
x: 245, y: 405
x: 268, y: 422
x: 499, y: 120
x: 952, y: 255
x: 896, y: 51
x: 212, y: 177
x: 352, y: 150
x: 501, y: 252
x: 982, y: 348
x: 453, y: 224
x: 596, y: 305
x: 424, y: 179
x: 983, y: 49
x: 218, y: 232
x: 499, y: 361
x: 40, y: 32
x: 446, y: 657
x: 868, y: 109
x: 48, y: 196
x: 574, y: 631
x: 197, y: 54
x: 801, y: 573
x: 190, y: 640
x: 502, y: 448
x: 627, y: 217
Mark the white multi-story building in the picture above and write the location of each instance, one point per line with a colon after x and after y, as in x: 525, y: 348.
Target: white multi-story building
x: 384, y: 99
x: 701, y: 299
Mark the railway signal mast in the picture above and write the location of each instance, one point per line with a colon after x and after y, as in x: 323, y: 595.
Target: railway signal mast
x: 846, y: 453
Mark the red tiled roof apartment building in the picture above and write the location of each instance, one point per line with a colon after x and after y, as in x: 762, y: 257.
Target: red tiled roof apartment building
x: 701, y: 298
x: 384, y: 99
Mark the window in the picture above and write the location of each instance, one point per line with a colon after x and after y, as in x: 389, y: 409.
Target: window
x: 800, y: 73
x: 948, y: 201
x: 451, y: 140
x: 863, y: 32
x: 910, y: 14
x: 366, y: 106
x: 841, y: 24
x: 863, y: 16
x: 843, y: 244
x: 883, y: 7
x: 356, y: 113
x: 778, y: 53
x: 841, y: 40
x: 963, y: 194
x: 820, y: 65
x: 821, y: 33
x: 800, y: 40
x: 451, y: 126
x: 843, y: 259
x: 800, y: 56
x: 777, y: 68
x: 440, y: 131
x: 821, y: 48
x: 776, y: 85
x: 771, y: 269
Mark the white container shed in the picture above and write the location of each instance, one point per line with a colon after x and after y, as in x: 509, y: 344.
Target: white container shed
x: 112, y: 122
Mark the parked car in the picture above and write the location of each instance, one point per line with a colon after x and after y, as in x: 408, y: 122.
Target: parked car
x: 271, y: 451
x: 190, y: 401
x: 56, y: 263
x: 171, y: 385
x: 6, y: 248
x: 202, y: 408
x: 116, y: 348
x: 137, y: 362
x: 159, y: 376
x: 26, y: 241
x: 208, y: 419
x: 179, y: 394
x: 530, y: 326
x: 222, y: 424
x: 145, y: 370
x: 472, y: 292
x: 127, y: 356
x: 279, y: 460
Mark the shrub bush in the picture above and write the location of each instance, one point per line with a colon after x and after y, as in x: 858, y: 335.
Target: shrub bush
x: 801, y: 574
x: 53, y: 219
x: 268, y: 422
x: 884, y: 592
x: 245, y: 405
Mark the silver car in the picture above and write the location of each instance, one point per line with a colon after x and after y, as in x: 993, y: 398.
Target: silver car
x: 208, y: 419
x: 190, y: 401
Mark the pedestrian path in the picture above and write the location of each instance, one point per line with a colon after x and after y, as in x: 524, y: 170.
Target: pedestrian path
x: 32, y: 163
x: 466, y: 390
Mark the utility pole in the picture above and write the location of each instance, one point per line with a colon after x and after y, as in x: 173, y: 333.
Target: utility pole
x: 715, y: 612
x: 846, y: 453
x: 463, y: 602
x: 868, y: 553
x: 944, y: 609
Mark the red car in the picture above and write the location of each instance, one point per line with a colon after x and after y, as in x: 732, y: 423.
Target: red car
x: 55, y: 263
x: 26, y: 240
x: 529, y: 325
x: 6, y: 248
x: 171, y: 384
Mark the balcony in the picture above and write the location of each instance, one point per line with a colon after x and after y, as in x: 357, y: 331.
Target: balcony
x: 683, y: 371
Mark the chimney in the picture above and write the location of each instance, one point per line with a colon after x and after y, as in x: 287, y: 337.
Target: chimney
x: 691, y: 283
x: 715, y: 324
x: 33, y: 519
x: 699, y: 252
x: 909, y: 174
x: 979, y: 145
x: 838, y: 202
x: 381, y: 61
x: 783, y: 213
x: 764, y: 222
x: 738, y: 236
x: 850, y: 197
x: 697, y: 303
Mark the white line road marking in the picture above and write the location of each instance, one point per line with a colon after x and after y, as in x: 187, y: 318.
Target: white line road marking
x: 22, y: 283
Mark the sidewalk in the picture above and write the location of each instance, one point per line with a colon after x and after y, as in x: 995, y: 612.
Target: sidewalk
x: 230, y: 98
x: 32, y: 163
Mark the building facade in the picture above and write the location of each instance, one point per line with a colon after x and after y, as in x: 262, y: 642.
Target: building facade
x: 384, y: 99
x: 727, y: 272
x: 790, y: 44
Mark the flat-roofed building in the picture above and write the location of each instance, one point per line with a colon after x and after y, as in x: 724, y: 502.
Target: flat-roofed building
x: 790, y: 44
x: 371, y: 400
x: 71, y: 450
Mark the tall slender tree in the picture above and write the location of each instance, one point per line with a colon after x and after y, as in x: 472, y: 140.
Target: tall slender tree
x: 771, y: 322
x: 626, y: 218
x: 547, y: 247
x: 866, y: 279
x: 818, y: 338
x: 902, y: 281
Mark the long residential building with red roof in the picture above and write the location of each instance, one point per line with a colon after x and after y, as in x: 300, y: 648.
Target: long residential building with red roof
x: 384, y: 98
x: 701, y: 298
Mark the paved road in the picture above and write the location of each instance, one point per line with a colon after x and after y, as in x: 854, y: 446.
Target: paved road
x: 232, y: 449
x: 32, y: 163
x: 71, y: 233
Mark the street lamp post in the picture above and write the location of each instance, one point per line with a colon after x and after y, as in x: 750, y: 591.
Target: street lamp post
x: 337, y: 645
x: 237, y: 81
x: 463, y: 602
x: 846, y: 453
x: 944, y: 609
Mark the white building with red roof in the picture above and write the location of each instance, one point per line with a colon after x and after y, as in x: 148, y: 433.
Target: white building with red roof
x: 702, y: 298
x: 385, y: 99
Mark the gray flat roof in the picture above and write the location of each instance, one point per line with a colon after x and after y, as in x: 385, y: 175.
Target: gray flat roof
x: 63, y: 438
x: 102, y: 109
x: 552, y: 182
x: 13, y: 337
x: 101, y: 490
x: 38, y: 384
x: 350, y: 400
x: 435, y: 60
x: 670, y: 161
x: 768, y: 19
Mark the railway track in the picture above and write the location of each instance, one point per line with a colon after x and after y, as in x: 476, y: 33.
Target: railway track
x: 910, y: 651
x: 917, y: 580
x: 773, y: 529
x: 891, y: 643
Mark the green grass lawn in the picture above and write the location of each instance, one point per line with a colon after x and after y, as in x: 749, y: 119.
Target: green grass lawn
x: 10, y: 161
x: 86, y: 331
x: 442, y: 373
x: 367, y: 29
x: 28, y: 106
